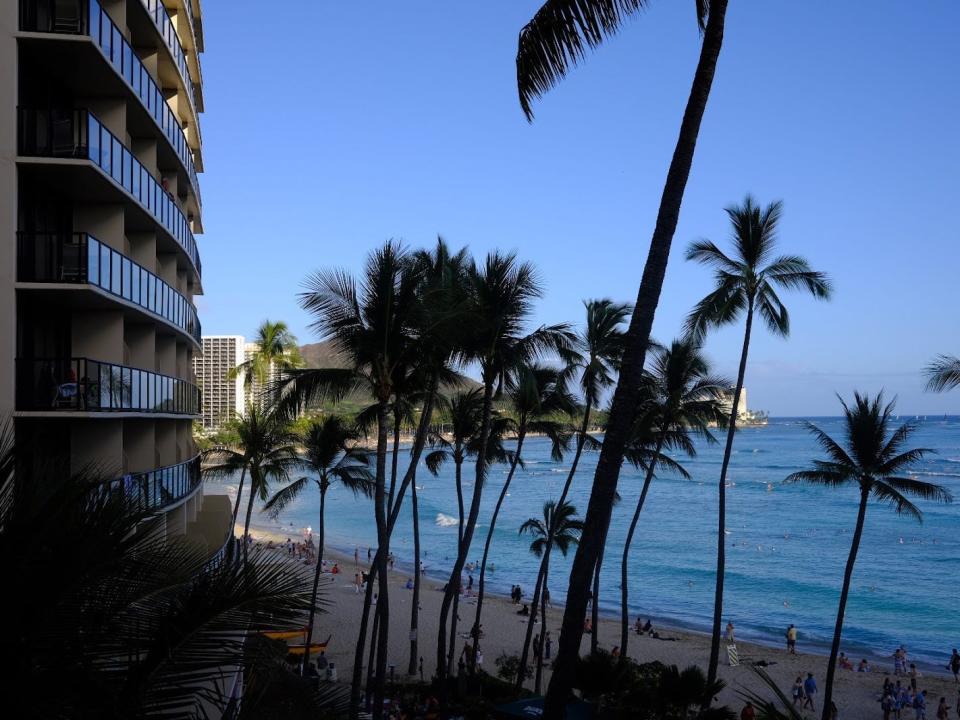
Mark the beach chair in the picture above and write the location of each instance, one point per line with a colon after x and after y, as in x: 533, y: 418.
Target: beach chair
x: 733, y: 657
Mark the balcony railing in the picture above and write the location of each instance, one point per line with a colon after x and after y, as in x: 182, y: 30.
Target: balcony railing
x: 78, y: 134
x: 81, y: 258
x: 86, y: 17
x: 161, y: 18
x: 157, y: 490
x: 84, y: 385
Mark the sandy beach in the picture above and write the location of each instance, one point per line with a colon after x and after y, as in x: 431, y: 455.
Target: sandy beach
x: 856, y: 694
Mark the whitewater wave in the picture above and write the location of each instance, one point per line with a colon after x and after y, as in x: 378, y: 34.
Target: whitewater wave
x: 445, y: 521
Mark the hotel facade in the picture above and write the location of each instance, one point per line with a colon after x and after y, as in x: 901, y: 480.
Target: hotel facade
x: 100, y: 150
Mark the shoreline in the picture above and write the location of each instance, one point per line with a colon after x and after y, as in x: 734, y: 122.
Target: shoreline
x: 856, y: 693
x: 343, y: 552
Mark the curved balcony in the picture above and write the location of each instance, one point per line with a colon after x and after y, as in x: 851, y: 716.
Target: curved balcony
x: 160, y: 489
x: 82, y: 259
x: 77, y: 134
x: 86, y: 17
x: 90, y: 386
x: 161, y: 20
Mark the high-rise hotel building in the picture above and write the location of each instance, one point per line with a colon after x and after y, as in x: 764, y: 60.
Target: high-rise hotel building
x: 222, y: 388
x: 100, y: 146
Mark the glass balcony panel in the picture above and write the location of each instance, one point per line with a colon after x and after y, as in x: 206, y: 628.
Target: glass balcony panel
x: 115, y: 272
x: 105, y: 267
x: 93, y: 261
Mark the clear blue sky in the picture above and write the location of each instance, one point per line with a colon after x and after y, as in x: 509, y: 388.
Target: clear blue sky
x: 331, y: 127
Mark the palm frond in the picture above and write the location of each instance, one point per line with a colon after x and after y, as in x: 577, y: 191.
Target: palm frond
x: 943, y: 373
x: 556, y: 38
x: 283, y: 497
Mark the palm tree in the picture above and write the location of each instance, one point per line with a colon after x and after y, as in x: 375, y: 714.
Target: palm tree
x: 276, y: 351
x: 683, y: 401
x: 943, y: 373
x: 265, y: 450
x: 596, y: 357
x: 329, y: 455
x: 560, y: 529
x: 746, y: 283
x: 871, y: 459
x: 118, y: 618
x: 549, y: 44
x: 370, y: 323
x: 500, y: 294
x: 464, y: 412
x: 536, y: 393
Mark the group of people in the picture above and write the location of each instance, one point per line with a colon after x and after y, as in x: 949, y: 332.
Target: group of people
x: 896, y: 698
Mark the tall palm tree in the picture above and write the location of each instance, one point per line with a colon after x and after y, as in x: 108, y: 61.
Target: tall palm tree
x: 943, y: 373
x: 596, y: 357
x: 684, y: 399
x: 555, y: 39
x: 536, y: 394
x: 500, y: 294
x: 746, y: 283
x: 559, y: 528
x: 872, y: 458
x: 441, y: 305
x: 265, y: 450
x: 371, y: 323
x: 328, y: 453
x: 464, y: 412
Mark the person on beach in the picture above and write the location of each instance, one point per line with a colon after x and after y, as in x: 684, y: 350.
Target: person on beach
x: 648, y: 627
x: 809, y: 690
x: 914, y: 675
x: 729, y: 633
x: 546, y: 597
x: 792, y: 639
x: 797, y: 692
x: 920, y: 706
x: 843, y: 662
x: 525, y: 610
x: 409, y: 584
x: 369, y: 553
x: 638, y: 626
x: 954, y: 665
x: 588, y: 626
x: 943, y: 712
x: 479, y: 661
x: 748, y: 712
x: 615, y: 653
x: 864, y: 666
x: 335, y: 569
x: 548, y: 647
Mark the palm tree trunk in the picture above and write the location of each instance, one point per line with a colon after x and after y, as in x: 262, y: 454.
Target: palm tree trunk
x: 395, y: 458
x: 415, y: 607
x: 581, y: 440
x: 372, y: 659
x: 418, y: 445
x: 452, y: 645
x: 316, y: 582
x: 543, y: 625
x: 722, y: 505
x: 236, y: 504
x: 625, y: 397
x: 595, y: 607
x: 826, y: 714
x: 246, y: 522
x: 458, y: 475
x: 486, y: 544
x: 467, y: 538
x: 624, y: 592
x: 381, y: 561
x: 528, y: 636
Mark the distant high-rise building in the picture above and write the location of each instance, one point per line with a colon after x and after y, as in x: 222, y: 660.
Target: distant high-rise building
x: 223, y: 396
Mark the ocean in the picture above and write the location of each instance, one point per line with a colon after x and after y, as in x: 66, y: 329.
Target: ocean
x: 786, y: 544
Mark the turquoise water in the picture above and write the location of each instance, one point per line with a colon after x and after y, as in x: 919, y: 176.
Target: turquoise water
x: 786, y: 547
